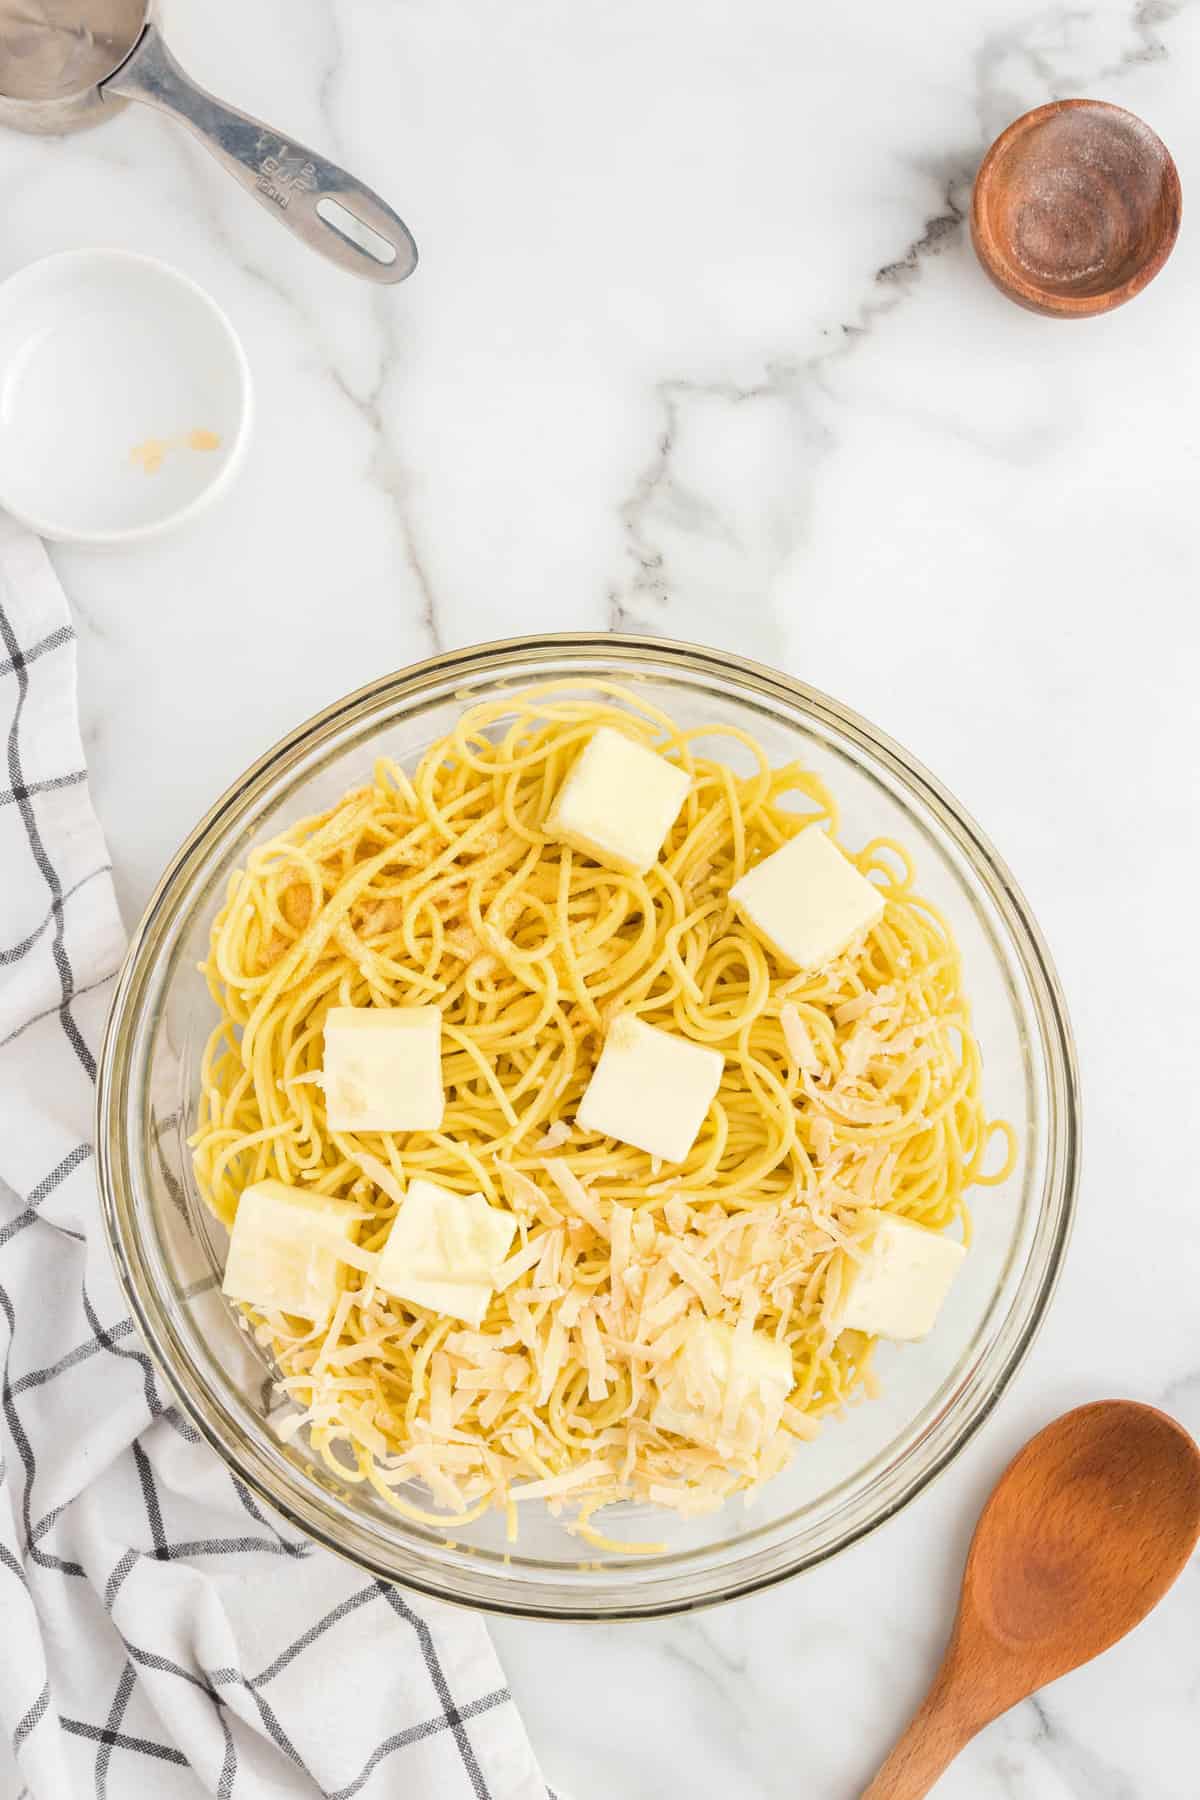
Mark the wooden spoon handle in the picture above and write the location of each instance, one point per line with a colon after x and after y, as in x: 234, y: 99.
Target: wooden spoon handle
x: 937, y: 1733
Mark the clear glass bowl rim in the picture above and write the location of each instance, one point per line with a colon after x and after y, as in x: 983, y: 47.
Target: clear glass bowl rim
x: 1004, y: 1354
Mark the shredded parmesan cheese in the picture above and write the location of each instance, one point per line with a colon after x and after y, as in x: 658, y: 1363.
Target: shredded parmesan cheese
x: 561, y: 1484
x: 577, y: 1196
x: 800, y: 1045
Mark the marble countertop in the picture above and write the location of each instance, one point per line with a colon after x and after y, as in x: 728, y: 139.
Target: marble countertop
x: 698, y: 346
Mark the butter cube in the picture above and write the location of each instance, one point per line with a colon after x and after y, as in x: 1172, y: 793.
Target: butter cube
x: 897, y: 1290
x: 650, y: 1089
x: 618, y: 802
x: 284, y: 1250
x: 383, y: 1068
x: 808, y: 900
x: 694, y: 1387
x: 443, y: 1251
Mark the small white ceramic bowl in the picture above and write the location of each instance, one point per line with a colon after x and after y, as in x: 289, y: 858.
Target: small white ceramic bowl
x: 125, y: 399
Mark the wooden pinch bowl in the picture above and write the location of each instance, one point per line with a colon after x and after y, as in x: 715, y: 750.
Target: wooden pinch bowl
x: 1076, y: 207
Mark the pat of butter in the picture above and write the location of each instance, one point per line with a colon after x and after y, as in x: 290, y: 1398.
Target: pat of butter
x: 619, y: 802
x: 284, y: 1249
x: 808, y: 900
x: 650, y: 1089
x: 443, y: 1251
x: 897, y: 1290
x: 694, y: 1387
x: 383, y: 1068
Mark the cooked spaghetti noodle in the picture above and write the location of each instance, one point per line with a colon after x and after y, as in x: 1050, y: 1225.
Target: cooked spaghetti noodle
x: 851, y: 1088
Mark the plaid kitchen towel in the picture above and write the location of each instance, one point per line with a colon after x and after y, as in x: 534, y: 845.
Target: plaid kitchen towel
x: 161, y: 1635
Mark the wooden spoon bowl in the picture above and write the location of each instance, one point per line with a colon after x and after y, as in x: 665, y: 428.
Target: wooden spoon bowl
x: 1076, y: 207
x: 1084, y: 1534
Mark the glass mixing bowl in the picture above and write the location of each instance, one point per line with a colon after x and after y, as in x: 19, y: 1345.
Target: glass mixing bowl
x: 863, y: 1466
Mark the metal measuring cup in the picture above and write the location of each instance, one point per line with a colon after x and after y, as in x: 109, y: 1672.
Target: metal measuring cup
x: 66, y: 64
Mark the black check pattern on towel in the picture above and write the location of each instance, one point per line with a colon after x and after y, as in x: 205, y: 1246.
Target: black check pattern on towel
x: 163, y: 1635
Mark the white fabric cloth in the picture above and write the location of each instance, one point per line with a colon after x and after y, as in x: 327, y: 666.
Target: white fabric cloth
x: 160, y: 1634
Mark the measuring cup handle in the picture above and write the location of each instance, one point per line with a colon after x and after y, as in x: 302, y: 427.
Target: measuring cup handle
x: 328, y: 209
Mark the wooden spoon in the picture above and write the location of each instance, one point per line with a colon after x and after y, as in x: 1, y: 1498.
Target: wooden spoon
x: 1084, y: 1534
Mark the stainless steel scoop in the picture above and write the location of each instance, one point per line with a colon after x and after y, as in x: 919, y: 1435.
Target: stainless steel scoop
x: 66, y: 64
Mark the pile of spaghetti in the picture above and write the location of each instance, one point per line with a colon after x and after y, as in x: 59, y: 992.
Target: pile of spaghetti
x: 852, y: 1088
